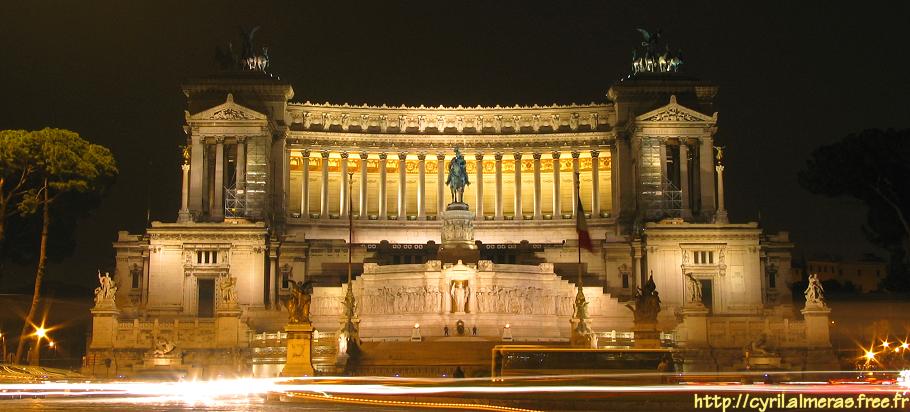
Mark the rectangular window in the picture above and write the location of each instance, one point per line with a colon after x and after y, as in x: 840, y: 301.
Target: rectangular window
x: 135, y: 278
x: 772, y: 280
x: 625, y: 281
x: 703, y: 257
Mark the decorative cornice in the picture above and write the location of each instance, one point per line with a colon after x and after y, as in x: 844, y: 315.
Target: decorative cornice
x: 448, y: 108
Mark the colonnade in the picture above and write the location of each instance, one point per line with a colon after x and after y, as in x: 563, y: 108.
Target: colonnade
x: 206, y: 184
x: 533, y: 211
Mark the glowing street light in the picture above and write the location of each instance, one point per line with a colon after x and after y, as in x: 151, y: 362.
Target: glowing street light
x: 870, y: 356
x: 905, y: 346
x: 35, y: 353
x: 886, y: 344
x: 41, y: 332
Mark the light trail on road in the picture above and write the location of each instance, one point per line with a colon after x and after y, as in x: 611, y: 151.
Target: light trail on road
x: 347, y: 389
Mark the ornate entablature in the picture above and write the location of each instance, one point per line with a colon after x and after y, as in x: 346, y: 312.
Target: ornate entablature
x: 675, y: 120
x: 228, y: 118
x: 200, y: 234
x: 451, y: 120
x: 445, y: 143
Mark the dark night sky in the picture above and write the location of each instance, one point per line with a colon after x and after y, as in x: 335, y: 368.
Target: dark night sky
x: 792, y: 76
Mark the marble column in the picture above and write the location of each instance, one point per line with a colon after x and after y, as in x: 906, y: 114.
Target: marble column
x: 721, y: 215
x: 440, y: 185
x: 595, y: 184
x: 537, y: 191
x: 557, y: 202
x: 478, y: 185
x: 498, y: 202
x: 324, y: 192
x: 421, y: 186
x: 362, y: 204
x: 183, y: 215
x: 343, y: 193
x: 402, y: 187
x: 383, y: 213
x: 305, y: 186
x: 519, y: 214
x: 218, y: 204
x: 684, y: 178
x: 576, y: 182
x: 706, y: 177
x: 615, y: 191
x: 197, y: 183
x: 240, y: 170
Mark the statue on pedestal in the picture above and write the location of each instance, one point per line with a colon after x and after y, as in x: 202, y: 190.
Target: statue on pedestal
x: 458, y: 177
x: 459, y: 292
x: 298, y: 303
x: 815, y: 293
x: 107, y: 292
x: 162, y: 347
x: 694, y: 289
x: 227, y: 291
x: 647, y: 303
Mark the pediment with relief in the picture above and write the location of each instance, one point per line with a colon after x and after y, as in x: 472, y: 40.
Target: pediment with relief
x: 675, y: 112
x: 229, y: 110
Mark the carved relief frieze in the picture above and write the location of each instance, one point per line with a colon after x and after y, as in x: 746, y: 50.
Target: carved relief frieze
x: 229, y: 114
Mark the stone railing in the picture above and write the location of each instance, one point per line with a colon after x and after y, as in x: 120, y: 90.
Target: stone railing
x: 190, y: 334
x: 739, y: 332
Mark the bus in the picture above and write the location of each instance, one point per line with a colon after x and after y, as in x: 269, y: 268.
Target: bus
x: 629, y: 365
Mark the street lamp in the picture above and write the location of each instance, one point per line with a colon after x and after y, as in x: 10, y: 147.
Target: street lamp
x: 35, y: 355
x: 3, y: 343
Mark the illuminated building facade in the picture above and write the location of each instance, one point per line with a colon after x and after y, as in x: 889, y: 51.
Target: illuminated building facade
x: 268, y: 183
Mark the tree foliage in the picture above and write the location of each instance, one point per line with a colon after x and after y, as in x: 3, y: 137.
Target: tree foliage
x: 874, y: 167
x: 62, y: 172
x: 17, y: 154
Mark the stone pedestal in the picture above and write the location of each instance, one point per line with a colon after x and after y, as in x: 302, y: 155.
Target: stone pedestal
x: 763, y: 362
x: 458, y: 235
x: 817, y: 323
x: 104, y: 327
x: 167, y: 361
x: 695, y: 320
x: 578, y: 338
x: 299, y: 356
x: 227, y: 328
x: 646, y: 336
x: 415, y: 334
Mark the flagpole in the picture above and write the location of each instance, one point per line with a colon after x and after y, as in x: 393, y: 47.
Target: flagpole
x: 577, y: 211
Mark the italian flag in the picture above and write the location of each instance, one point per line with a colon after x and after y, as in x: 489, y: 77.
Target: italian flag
x: 581, y: 226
